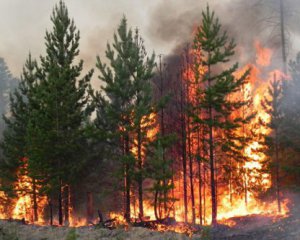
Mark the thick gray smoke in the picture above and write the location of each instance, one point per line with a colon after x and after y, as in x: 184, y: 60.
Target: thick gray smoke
x: 245, y: 21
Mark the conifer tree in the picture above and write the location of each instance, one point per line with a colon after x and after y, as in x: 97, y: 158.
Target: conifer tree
x: 63, y: 99
x: 159, y: 170
x: 290, y: 123
x: 272, y: 106
x: 216, y: 49
x: 7, y: 85
x: 143, y: 113
x: 14, y: 144
x: 126, y: 104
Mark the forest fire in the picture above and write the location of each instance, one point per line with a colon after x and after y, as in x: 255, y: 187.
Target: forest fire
x: 191, y: 143
x: 231, y: 202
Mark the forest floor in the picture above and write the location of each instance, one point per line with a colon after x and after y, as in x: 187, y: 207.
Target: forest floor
x: 256, y: 227
x: 252, y: 227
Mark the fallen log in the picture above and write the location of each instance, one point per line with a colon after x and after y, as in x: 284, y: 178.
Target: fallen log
x: 109, y: 223
x: 153, y: 224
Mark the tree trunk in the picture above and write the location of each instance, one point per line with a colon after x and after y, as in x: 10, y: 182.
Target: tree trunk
x: 211, y: 158
x: 230, y: 181
x: 140, y: 174
x: 67, y: 204
x: 157, y: 212
x: 89, y: 207
x: 60, y: 209
x: 212, y: 175
x: 128, y: 179
x: 51, y: 211
x: 277, y: 171
x: 183, y: 137
x: 246, y: 188
x: 188, y: 100
x: 162, y: 131
x: 191, y: 177
x: 200, y: 177
x: 283, y: 40
x: 35, y: 205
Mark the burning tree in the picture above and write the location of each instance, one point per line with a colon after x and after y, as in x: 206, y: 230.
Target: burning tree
x: 48, y: 115
x: 290, y: 123
x: 272, y: 105
x: 214, y: 93
x: 15, y: 143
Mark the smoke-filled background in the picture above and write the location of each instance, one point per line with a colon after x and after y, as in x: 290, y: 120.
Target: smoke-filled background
x: 163, y: 24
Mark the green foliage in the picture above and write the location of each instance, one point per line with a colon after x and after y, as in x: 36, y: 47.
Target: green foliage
x: 49, y: 111
x: 159, y: 170
x: 63, y: 99
x: 215, y: 93
x: 7, y: 85
x: 124, y: 106
x: 272, y: 105
x: 14, y: 144
x: 290, y: 126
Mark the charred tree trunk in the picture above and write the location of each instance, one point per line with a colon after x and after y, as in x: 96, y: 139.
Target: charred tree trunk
x: 51, y: 211
x: 183, y: 138
x: 204, y: 195
x: 128, y: 179
x: 67, y: 204
x: 189, y: 135
x: 230, y: 181
x: 156, y: 204
x: 34, y: 198
x: 89, y: 207
x: 162, y: 128
x: 246, y: 188
x: 200, y: 176
x: 60, y: 207
x: 211, y: 157
x: 277, y: 171
x: 191, y: 178
x: 140, y: 173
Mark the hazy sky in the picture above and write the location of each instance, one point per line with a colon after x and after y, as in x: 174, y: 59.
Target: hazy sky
x: 24, y: 22
x: 162, y: 23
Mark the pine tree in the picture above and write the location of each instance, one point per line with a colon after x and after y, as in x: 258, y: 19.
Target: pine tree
x: 290, y: 123
x: 128, y: 107
x: 58, y: 125
x: 144, y: 110
x: 7, y: 85
x: 216, y: 49
x: 272, y: 106
x: 14, y: 144
x: 159, y: 170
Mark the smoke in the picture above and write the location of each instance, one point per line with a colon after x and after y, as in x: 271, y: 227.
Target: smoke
x: 245, y: 21
x: 163, y: 24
